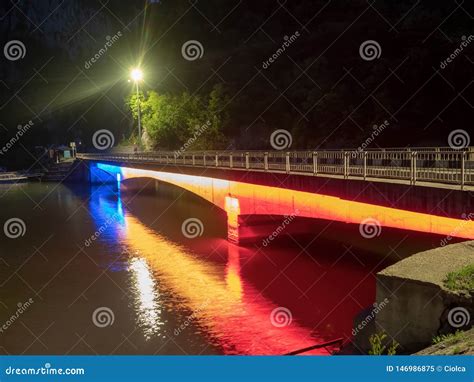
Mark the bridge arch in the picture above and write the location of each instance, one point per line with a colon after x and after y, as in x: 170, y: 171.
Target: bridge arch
x: 240, y: 198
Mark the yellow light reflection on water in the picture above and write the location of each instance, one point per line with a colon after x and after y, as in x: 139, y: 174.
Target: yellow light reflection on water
x: 146, y: 297
x: 232, y: 275
x: 232, y: 313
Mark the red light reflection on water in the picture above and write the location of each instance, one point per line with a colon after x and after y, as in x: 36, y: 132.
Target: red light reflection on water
x: 232, y: 312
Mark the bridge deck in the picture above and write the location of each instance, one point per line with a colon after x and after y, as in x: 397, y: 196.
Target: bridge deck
x: 432, y: 167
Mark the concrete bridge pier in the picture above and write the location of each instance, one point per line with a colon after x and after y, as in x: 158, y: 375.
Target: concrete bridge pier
x: 248, y: 229
x: 243, y: 229
x: 234, y: 219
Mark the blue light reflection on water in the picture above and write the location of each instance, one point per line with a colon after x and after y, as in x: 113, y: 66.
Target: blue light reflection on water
x: 109, y: 217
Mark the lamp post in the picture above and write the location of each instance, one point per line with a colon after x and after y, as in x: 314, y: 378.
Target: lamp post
x: 137, y: 76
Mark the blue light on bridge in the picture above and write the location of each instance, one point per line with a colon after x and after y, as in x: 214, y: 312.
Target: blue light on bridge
x: 110, y: 168
x: 105, y: 204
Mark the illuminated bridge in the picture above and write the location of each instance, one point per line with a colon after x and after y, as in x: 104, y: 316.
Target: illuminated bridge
x: 424, y: 189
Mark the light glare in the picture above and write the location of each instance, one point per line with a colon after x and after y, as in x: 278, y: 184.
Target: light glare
x: 137, y: 75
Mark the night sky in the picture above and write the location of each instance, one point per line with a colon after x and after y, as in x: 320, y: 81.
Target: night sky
x: 325, y: 71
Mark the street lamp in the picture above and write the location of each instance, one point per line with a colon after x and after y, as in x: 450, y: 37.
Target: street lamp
x: 137, y: 76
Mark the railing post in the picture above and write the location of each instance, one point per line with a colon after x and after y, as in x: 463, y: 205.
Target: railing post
x: 346, y: 165
x: 287, y: 166
x: 413, y: 167
x: 204, y: 159
x: 231, y: 160
x: 247, y: 161
x: 194, y: 161
x: 365, y: 164
x: 315, y: 162
x: 463, y: 170
x: 217, y: 159
x: 265, y: 161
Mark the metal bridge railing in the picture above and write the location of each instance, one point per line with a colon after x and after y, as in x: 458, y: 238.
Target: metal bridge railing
x: 432, y: 165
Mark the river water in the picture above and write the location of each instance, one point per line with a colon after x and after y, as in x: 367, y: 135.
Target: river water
x: 103, y: 271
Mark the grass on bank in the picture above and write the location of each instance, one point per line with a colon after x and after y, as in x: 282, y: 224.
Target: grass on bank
x: 451, y: 338
x: 460, y: 342
x: 456, y: 343
x: 462, y: 280
x: 377, y: 346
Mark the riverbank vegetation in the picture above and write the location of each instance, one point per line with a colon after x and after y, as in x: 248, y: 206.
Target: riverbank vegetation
x: 461, y: 342
x: 378, y: 345
x: 462, y: 280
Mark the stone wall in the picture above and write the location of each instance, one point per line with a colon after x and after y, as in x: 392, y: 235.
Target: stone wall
x: 420, y: 306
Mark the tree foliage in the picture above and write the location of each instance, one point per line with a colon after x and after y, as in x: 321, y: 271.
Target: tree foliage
x: 170, y: 121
